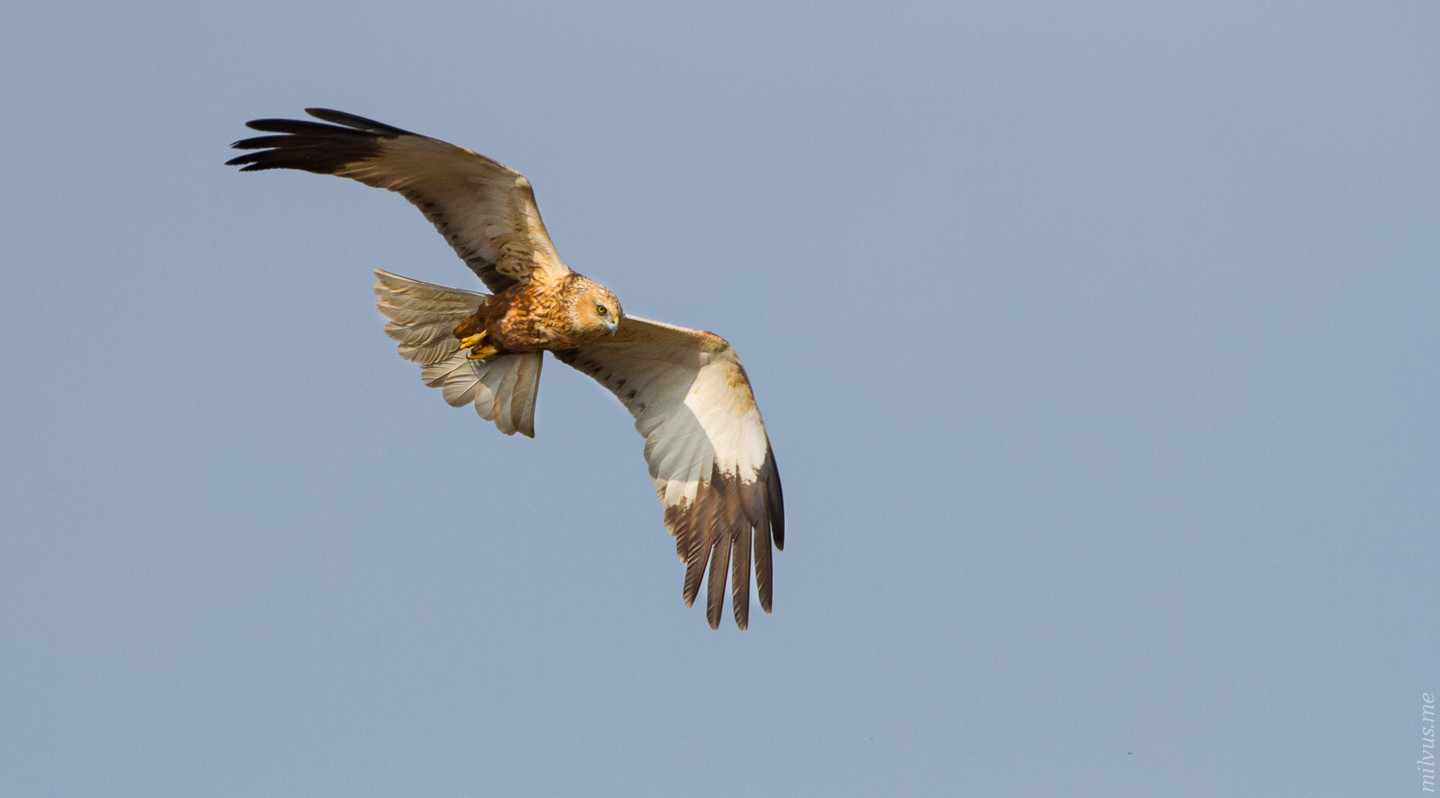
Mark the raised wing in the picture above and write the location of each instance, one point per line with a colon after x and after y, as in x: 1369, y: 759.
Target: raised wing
x: 707, y: 450
x: 486, y: 210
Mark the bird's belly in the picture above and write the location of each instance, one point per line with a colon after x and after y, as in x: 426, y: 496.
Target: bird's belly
x: 532, y: 335
x: 512, y: 336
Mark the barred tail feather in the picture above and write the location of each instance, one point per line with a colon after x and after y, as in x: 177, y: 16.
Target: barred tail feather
x: 423, y: 317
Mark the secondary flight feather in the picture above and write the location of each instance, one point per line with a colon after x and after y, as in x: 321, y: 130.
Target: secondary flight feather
x: 705, y: 442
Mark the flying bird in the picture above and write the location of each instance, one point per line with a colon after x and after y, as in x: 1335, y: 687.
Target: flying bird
x: 705, y: 442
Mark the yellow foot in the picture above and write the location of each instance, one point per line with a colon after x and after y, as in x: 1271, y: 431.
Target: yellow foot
x: 482, y: 352
x: 479, y: 350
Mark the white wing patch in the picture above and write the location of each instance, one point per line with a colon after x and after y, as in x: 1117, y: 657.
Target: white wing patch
x: 720, y: 398
x: 423, y: 317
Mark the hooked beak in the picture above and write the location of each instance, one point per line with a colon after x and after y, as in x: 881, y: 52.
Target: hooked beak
x: 613, y: 325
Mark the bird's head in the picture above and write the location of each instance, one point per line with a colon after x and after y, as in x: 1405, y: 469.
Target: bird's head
x: 598, y: 309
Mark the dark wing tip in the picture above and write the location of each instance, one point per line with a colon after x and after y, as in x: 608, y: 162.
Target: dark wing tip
x: 715, y: 582
x: 740, y: 566
x: 774, y: 498
x: 313, y: 146
x: 358, y: 122
x: 717, y: 533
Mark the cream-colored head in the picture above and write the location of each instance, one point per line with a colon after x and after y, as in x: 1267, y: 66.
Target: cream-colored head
x: 594, y: 308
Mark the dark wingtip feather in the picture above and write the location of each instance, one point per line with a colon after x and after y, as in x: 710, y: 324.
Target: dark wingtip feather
x: 717, y: 534
x: 282, y: 125
x: 740, y: 577
x: 775, y: 500
x: 357, y: 122
x: 312, y: 146
x: 715, y: 582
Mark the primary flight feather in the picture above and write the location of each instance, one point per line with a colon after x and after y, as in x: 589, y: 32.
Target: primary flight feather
x: 705, y: 442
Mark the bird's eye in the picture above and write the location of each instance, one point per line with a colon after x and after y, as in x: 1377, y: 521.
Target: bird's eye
x: 600, y: 309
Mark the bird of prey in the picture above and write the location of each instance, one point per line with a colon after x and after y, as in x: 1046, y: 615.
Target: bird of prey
x: 705, y: 442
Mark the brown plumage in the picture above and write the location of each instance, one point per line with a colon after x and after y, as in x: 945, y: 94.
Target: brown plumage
x: 535, y: 316
x: 705, y: 443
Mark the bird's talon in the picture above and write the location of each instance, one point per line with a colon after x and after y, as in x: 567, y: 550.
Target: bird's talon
x: 482, y: 352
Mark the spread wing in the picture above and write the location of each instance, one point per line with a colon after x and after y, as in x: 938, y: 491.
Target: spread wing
x: 707, y: 450
x: 486, y: 210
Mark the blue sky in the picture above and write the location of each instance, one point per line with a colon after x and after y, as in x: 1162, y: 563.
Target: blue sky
x: 1097, y: 345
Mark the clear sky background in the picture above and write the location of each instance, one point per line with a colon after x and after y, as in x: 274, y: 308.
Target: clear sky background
x: 1098, y: 345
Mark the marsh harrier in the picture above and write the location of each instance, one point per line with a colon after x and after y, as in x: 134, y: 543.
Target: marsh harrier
x: 705, y: 442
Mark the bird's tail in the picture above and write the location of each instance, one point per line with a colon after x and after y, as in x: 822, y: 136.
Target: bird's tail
x: 423, y: 318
